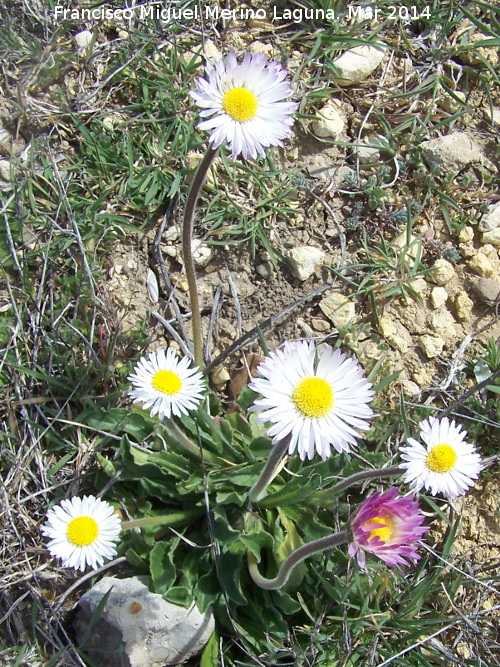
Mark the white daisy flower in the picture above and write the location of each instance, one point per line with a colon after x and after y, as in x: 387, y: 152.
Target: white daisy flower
x: 446, y: 465
x: 243, y: 104
x: 166, y: 383
x: 318, y: 403
x: 83, y: 532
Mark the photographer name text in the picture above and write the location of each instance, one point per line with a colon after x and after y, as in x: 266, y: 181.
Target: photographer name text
x: 296, y: 15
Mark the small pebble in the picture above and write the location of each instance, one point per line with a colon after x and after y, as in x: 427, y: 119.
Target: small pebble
x: 487, y: 290
x: 443, y: 272
x: 491, y: 220
x: 431, y: 346
x: 481, y: 265
x: 320, y: 325
x: 439, y: 296
x: 466, y: 235
x: 463, y: 306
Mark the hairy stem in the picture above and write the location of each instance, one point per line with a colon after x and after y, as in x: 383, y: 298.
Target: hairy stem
x: 294, y: 559
x: 271, y: 469
x: 187, y: 250
x: 378, y: 473
x: 163, y: 520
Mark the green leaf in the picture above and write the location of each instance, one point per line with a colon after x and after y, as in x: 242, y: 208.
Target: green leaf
x: 290, y: 544
x: 223, y: 532
x: 261, y: 447
x: 229, y: 572
x: 137, y: 462
x: 246, y: 398
x: 254, y: 542
x: 106, y: 465
x: 240, y: 424
x: 180, y: 595
x: 55, y: 468
x: 286, y: 602
x: 207, y: 591
x: 210, y: 656
x: 161, y: 567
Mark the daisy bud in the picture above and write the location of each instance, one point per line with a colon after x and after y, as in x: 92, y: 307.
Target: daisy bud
x: 388, y: 527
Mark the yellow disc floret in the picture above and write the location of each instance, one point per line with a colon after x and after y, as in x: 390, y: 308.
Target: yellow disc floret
x: 441, y: 458
x: 385, y: 530
x: 82, y: 531
x: 167, y: 382
x: 313, y: 397
x: 240, y: 104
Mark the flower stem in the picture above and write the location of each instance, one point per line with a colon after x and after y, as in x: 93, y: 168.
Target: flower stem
x: 378, y: 473
x: 163, y: 520
x: 271, y: 469
x: 187, y: 250
x: 294, y: 559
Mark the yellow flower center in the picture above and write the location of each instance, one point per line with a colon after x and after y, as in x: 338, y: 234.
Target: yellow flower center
x: 240, y: 104
x: 384, y: 532
x: 441, y: 458
x: 167, y: 382
x: 313, y: 397
x: 82, y: 531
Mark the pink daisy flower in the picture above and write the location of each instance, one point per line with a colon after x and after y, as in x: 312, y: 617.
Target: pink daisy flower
x: 388, y: 527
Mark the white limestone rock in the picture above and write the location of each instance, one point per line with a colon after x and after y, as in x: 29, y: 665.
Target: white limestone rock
x: 211, y: 52
x: 481, y: 265
x: 442, y: 322
x: 220, y: 377
x: 260, y: 47
x: 408, y: 248
x: 452, y: 152
x: 443, y: 272
x: 367, y: 153
x: 355, y: 65
x: 491, y: 220
x: 419, y: 286
x: 84, y: 41
x: 395, y: 334
x: 410, y: 388
x: 331, y: 121
x: 495, y: 117
x: 154, y: 632
x: 439, y: 296
x: 319, y: 324
x: 493, y: 237
x: 463, y: 306
x: 466, y: 235
x: 338, y: 309
x: 202, y: 253
x: 423, y: 377
x: 7, y: 171
x: 449, y: 103
x: 431, y: 346
x: 304, y: 260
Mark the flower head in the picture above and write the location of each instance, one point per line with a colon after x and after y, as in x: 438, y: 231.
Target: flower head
x: 243, y: 104
x: 388, y: 527
x: 166, y: 383
x: 446, y: 464
x: 83, y: 532
x: 318, y: 403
